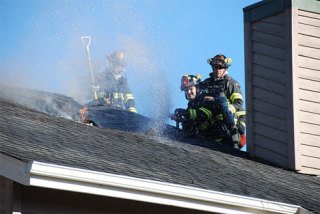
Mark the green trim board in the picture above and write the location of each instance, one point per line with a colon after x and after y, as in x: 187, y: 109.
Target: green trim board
x: 264, y: 9
x: 308, y: 5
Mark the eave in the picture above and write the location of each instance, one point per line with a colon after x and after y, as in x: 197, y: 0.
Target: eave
x: 105, y: 184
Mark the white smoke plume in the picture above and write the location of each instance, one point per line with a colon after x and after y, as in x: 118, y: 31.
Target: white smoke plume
x: 51, y: 58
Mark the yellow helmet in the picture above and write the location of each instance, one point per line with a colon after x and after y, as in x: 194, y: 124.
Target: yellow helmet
x: 220, y: 60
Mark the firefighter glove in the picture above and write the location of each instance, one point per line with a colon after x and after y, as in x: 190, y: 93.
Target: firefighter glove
x: 179, y: 114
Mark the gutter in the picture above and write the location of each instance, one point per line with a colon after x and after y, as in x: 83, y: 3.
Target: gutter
x: 125, y: 187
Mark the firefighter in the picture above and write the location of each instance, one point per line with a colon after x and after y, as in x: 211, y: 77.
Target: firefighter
x: 113, y: 84
x: 196, y: 118
x: 230, y: 117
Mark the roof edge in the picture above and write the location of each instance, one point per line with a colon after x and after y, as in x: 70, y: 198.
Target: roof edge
x: 118, y: 186
x: 14, y: 169
x: 264, y: 9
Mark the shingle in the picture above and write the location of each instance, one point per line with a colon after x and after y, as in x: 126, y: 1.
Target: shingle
x: 33, y: 136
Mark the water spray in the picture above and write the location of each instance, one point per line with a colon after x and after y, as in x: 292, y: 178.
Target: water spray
x: 86, y: 40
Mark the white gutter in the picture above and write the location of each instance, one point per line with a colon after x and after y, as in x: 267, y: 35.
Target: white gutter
x: 125, y: 187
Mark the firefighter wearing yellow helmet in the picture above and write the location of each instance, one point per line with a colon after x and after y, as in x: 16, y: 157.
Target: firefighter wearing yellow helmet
x: 227, y: 92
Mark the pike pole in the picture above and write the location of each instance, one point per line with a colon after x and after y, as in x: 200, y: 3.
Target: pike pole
x: 86, y: 40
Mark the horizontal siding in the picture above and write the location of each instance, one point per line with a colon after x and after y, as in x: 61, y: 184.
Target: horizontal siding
x: 270, y: 120
x: 267, y: 39
x: 309, y: 117
x: 277, y: 19
x: 308, y: 14
x: 310, y: 171
x: 308, y: 128
x: 308, y: 58
x: 271, y: 144
x: 268, y: 50
x: 309, y: 30
x: 269, y: 108
x: 310, y: 162
x: 310, y: 52
x: 268, y: 89
x: 270, y: 97
x: 308, y: 18
x: 269, y: 78
x: 308, y: 41
x: 311, y: 140
x: 309, y: 74
x: 268, y: 62
x: 270, y: 132
x: 305, y: 105
x: 308, y: 21
x: 270, y: 74
x: 309, y: 84
x: 270, y: 155
x: 269, y: 85
x: 269, y: 28
x: 310, y: 63
x: 309, y: 95
x: 310, y: 151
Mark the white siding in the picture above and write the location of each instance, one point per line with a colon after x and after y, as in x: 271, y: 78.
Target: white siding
x: 308, y: 84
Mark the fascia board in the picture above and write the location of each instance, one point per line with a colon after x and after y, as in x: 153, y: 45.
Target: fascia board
x: 125, y: 187
x: 14, y: 169
x: 264, y: 9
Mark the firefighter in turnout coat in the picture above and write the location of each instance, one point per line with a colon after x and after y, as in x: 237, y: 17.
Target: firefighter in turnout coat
x: 113, y: 84
x: 196, y: 118
x: 229, y: 121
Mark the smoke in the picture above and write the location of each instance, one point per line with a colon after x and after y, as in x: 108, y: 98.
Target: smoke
x: 52, y: 58
x: 148, y: 61
x: 149, y: 78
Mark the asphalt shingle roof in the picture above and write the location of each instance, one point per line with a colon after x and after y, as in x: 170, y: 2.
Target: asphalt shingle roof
x: 29, y: 135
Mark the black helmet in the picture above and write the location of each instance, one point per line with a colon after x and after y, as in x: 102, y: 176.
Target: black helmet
x: 220, y: 60
x: 189, y: 80
x: 117, y: 58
